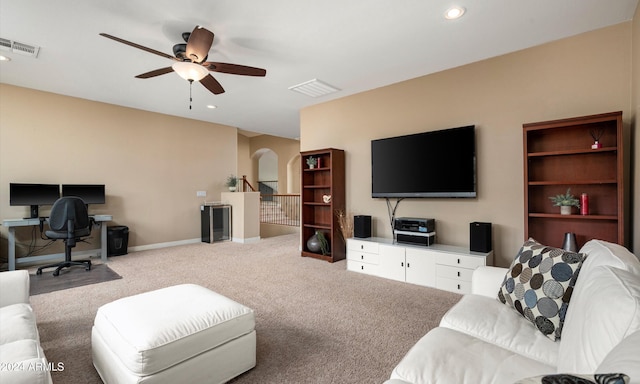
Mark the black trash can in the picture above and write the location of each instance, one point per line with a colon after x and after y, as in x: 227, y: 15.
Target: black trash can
x: 117, y: 240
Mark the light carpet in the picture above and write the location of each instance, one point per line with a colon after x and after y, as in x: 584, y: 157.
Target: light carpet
x: 315, y: 321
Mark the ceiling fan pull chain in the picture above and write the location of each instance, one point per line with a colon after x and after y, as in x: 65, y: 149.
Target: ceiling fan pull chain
x: 190, y: 98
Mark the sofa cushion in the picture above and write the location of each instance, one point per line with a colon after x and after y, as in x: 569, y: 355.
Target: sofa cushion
x: 17, y: 322
x: 605, y: 253
x: 20, y: 350
x: 14, y: 287
x: 495, y: 323
x: 605, y: 309
x: 539, y: 284
x: 624, y: 357
x: 23, y: 362
x: 447, y: 356
x: 564, y: 378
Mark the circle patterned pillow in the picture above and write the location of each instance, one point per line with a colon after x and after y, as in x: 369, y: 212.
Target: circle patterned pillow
x: 539, y: 284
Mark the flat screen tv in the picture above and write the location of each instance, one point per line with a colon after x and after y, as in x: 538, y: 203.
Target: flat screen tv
x: 33, y: 195
x: 90, y: 193
x: 429, y: 164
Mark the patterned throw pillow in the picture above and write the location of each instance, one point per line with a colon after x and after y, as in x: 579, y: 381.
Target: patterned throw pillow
x: 539, y: 284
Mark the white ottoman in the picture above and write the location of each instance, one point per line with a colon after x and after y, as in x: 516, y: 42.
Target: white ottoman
x: 180, y: 334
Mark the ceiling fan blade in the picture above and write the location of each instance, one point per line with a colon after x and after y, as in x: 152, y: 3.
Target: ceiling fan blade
x: 235, y: 69
x: 212, y: 85
x: 199, y: 44
x: 155, y: 73
x: 138, y: 46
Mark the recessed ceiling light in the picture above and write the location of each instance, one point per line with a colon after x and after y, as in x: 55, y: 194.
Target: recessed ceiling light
x: 4, y: 58
x: 454, y: 13
x: 212, y: 106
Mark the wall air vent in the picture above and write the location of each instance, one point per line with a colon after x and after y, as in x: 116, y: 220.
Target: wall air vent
x: 19, y: 48
x: 314, y: 88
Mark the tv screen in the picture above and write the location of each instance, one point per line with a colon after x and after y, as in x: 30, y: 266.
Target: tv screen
x: 90, y: 193
x: 430, y: 164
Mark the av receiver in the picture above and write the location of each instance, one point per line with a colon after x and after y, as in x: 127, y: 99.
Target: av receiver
x: 412, y: 224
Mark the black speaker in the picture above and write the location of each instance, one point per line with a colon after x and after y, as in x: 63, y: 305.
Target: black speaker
x: 362, y: 226
x: 480, y: 237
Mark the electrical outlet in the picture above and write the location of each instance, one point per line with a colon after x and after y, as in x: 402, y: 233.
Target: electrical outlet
x: 201, y: 194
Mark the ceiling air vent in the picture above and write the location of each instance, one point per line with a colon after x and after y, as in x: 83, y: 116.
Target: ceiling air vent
x: 314, y: 88
x: 20, y: 48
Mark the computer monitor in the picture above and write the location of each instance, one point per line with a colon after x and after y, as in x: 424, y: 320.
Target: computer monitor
x: 90, y: 193
x: 33, y: 195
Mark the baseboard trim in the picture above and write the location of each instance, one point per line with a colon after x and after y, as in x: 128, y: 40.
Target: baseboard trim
x: 246, y: 240
x: 163, y: 245
x: 185, y: 242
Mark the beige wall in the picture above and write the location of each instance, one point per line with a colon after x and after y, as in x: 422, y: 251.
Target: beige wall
x: 152, y: 164
x: 585, y: 74
x: 245, y: 215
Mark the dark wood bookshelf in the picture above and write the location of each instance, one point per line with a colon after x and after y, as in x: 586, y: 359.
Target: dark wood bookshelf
x: 558, y: 156
x: 326, y: 179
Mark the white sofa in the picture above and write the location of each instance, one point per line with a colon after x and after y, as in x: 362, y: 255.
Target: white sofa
x: 21, y: 357
x: 481, y: 340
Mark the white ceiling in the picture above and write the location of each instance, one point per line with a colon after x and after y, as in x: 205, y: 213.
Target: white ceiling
x: 353, y: 45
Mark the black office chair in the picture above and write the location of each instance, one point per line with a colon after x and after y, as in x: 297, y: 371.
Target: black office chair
x: 69, y: 221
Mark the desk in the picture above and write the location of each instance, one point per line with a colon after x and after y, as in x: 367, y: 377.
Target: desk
x: 13, y: 223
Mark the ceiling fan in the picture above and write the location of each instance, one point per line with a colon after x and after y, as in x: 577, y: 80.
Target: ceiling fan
x: 190, y: 60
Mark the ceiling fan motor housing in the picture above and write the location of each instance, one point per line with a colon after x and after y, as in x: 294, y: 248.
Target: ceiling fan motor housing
x: 179, y: 51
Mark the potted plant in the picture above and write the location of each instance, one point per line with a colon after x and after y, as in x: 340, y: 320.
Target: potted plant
x: 232, y: 183
x: 311, y: 162
x: 565, y: 202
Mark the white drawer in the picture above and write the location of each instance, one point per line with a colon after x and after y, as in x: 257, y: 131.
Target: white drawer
x: 464, y: 261
x: 356, y: 266
x: 458, y: 286
x: 371, y: 258
x: 454, y: 273
x: 363, y: 246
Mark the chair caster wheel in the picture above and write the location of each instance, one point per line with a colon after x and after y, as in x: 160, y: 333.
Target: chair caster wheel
x: 87, y: 269
x: 39, y: 272
x: 56, y: 273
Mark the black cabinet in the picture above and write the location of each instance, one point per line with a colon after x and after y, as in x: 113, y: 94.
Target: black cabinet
x: 215, y: 222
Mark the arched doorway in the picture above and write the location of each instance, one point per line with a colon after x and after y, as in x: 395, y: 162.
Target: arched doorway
x: 266, y: 161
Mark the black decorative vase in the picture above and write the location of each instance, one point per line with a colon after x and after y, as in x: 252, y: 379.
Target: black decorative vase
x: 313, y: 243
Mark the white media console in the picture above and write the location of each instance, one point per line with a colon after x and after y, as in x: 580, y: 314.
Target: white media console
x: 438, y: 266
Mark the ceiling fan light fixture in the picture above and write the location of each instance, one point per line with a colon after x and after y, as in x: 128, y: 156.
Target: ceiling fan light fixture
x: 190, y: 71
x: 454, y: 13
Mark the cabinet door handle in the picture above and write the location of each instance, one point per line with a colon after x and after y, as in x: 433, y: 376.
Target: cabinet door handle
x: 362, y: 267
x: 458, y: 261
x: 458, y: 273
x: 402, y: 263
x: 361, y: 257
x: 407, y: 265
x: 361, y: 246
x: 458, y: 286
